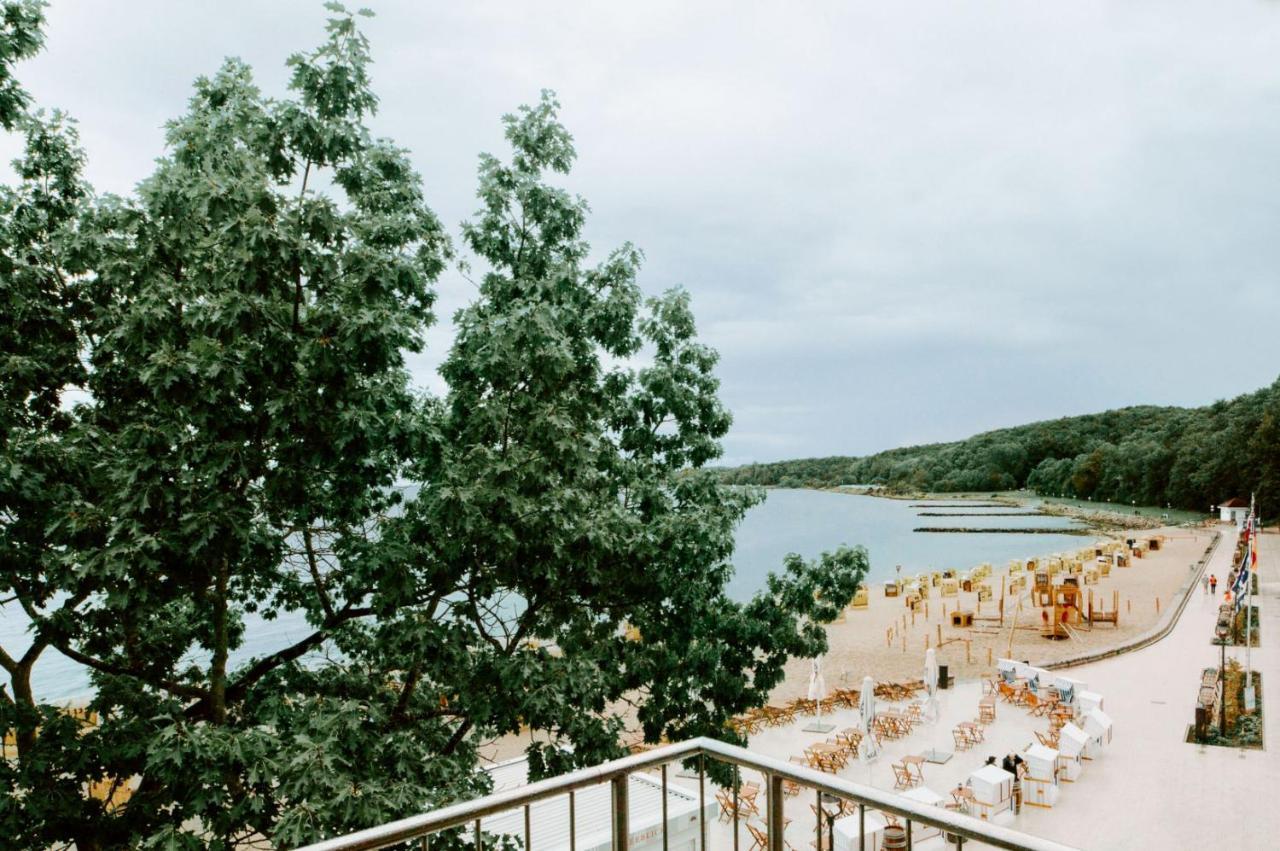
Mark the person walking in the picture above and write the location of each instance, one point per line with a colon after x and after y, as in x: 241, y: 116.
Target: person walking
x: 1205, y: 582
x: 1213, y: 584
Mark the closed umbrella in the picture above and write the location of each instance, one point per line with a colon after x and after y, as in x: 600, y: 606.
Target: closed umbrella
x: 931, y: 685
x: 818, y: 692
x: 932, y: 705
x: 868, y: 749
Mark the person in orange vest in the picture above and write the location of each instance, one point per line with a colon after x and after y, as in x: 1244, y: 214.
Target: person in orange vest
x: 1213, y: 584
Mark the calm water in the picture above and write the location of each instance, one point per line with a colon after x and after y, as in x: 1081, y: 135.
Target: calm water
x: 789, y: 521
x: 809, y: 522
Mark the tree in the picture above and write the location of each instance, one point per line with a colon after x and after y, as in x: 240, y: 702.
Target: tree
x: 573, y: 550
x: 236, y: 453
x: 248, y: 411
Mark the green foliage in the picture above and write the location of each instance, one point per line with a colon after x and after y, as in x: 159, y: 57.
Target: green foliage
x: 542, y: 548
x: 1187, y: 458
x: 21, y: 37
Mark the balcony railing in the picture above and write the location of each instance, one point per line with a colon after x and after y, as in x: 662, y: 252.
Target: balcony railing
x: 468, y: 815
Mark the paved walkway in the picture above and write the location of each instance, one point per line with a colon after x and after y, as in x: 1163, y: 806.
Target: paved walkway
x: 1151, y: 789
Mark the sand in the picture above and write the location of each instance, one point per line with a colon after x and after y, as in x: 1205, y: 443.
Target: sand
x: 860, y: 645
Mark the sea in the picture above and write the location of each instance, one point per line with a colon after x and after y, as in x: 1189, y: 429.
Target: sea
x: 805, y: 522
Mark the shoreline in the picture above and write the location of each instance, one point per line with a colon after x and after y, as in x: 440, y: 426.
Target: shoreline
x: 887, y: 641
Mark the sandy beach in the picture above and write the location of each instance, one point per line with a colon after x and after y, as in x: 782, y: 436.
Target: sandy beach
x: 886, y: 642
x: 859, y: 644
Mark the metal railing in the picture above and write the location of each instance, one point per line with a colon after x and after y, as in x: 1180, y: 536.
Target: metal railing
x: 618, y: 772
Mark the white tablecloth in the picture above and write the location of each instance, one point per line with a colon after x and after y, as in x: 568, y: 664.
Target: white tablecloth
x: 847, y: 832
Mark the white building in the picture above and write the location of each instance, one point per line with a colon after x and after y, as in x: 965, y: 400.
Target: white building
x: 1234, y: 511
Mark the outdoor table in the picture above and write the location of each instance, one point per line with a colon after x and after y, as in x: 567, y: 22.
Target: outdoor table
x: 829, y: 755
x: 963, y: 796
x: 901, y: 723
x: 974, y: 729
x: 917, y: 761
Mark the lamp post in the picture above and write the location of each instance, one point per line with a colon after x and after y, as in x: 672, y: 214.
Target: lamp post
x: 1223, y: 631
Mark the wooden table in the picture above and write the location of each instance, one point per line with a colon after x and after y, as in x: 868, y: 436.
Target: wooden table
x: 901, y: 723
x: 917, y: 762
x: 831, y: 757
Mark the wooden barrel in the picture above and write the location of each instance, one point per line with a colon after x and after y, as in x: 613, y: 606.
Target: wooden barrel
x: 895, y: 837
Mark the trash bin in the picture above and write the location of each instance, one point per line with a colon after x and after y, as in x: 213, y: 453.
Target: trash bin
x: 943, y: 679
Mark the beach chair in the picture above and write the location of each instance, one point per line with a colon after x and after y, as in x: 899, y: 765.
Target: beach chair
x: 727, y: 810
x: 1037, y: 706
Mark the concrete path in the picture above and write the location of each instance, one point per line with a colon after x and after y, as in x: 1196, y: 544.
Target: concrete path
x: 1151, y: 789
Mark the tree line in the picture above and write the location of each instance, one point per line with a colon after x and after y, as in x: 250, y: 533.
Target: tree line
x: 207, y: 422
x: 1189, y: 458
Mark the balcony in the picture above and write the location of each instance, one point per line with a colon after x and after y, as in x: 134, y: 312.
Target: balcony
x: 549, y: 814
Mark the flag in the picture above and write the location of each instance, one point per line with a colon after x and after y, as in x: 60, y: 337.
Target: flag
x: 1241, y: 584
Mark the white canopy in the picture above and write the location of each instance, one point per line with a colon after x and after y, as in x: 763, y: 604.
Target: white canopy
x: 1089, y: 700
x: 1072, y: 740
x: 1098, y: 725
x: 1042, y: 762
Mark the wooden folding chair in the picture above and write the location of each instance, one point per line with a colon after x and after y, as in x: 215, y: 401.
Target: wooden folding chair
x: 963, y: 743
x: 902, y: 778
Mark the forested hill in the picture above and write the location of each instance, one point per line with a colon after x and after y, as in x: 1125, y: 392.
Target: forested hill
x: 1186, y: 457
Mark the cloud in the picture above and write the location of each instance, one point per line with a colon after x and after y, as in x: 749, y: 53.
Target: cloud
x: 899, y: 222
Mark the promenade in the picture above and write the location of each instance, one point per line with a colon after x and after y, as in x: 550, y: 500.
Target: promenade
x: 1151, y: 789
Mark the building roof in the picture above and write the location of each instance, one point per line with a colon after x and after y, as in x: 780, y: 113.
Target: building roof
x: 1235, y: 502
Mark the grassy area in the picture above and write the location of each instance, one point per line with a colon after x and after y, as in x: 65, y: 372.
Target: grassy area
x: 1169, y: 515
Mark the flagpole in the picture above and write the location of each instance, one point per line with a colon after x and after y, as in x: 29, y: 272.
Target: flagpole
x: 1248, y: 617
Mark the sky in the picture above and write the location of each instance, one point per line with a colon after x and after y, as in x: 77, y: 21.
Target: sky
x: 899, y: 222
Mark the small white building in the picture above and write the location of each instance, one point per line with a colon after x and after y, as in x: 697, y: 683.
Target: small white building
x: 1235, y: 511
x: 1072, y: 744
x: 1040, y: 786
x: 992, y: 790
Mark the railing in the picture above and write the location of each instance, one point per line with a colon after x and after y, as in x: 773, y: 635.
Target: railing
x: 469, y: 814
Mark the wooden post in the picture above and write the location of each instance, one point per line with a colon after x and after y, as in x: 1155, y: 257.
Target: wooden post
x: 913, y: 615
x: 1157, y: 605
x: 926, y: 641
x: 967, y: 657
x: 926, y: 609
x: 988, y: 657
x: 939, y: 635
x: 1002, y: 610
x: 904, y: 642
x: 1128, y: 606
x: 904, y: 623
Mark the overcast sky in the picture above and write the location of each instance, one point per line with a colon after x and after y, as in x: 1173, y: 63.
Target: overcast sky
x: 900, y: 222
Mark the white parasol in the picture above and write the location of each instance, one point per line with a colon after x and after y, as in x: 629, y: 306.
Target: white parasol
x: 818, y: 693
x: 868, y: 748
x: 932, y: 705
